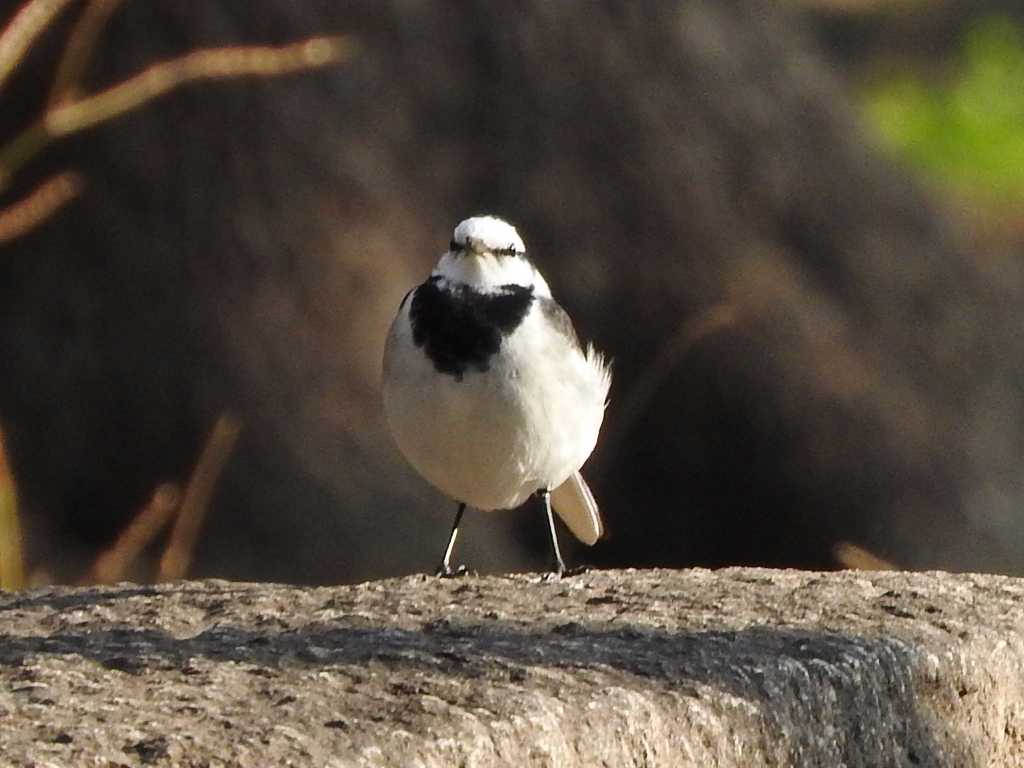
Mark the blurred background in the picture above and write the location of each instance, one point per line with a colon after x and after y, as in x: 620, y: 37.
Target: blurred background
x: 796, y: 228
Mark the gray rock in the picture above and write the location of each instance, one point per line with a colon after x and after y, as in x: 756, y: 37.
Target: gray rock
x: 730, y: 668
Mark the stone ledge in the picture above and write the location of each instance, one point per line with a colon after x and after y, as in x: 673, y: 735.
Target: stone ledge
x: 739, y: 667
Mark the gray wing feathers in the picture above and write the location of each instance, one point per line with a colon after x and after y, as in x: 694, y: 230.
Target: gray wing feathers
x: 575, y: 504
x: 559, y: 320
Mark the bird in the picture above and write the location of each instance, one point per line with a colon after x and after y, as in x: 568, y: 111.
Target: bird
x: 487, y: 390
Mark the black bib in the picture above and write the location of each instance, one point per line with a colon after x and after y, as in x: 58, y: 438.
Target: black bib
x: 460, y: 328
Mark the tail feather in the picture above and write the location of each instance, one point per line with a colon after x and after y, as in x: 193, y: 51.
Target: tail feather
x: 575, y: 504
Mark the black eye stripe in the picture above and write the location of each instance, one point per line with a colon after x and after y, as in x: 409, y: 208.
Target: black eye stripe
x: 510, y: 250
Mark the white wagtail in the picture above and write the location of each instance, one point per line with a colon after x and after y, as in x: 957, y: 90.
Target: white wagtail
x: 487, y: 390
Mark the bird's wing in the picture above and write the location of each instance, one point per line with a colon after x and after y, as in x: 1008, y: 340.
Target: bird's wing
x: 575, y: 504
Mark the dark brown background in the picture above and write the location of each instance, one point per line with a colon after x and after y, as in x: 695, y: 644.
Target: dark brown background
x: 806, y: 350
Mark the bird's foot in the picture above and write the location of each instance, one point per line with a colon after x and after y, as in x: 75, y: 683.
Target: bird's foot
x: 445, y: 571
x: 564, y: 573
x: 578, y: 570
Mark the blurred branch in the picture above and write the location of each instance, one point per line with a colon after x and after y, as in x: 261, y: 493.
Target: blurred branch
x: 178, y: 556
x: 38, y: 205
x: 211, y: 64
x: 159, y: 79
x: 78, y: 52
x: 113, y: 564
x: 23, y: 30
x: 672, y: 352
x: 857, y: 558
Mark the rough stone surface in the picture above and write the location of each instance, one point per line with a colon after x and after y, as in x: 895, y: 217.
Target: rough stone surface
x: 728, y: 668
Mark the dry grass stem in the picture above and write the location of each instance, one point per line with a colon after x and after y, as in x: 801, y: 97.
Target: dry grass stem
x: 114, y: 563
x: 24, y: 29
x: 39, y: 205
x: 859, y: 559
x: 12, y: 565
x: 178, y: 556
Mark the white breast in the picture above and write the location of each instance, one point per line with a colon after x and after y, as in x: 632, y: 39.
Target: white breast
x: 494, y: 438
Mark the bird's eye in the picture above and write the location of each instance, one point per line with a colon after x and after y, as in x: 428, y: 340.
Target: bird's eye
x: 456, y: 247
x: 509, y: 251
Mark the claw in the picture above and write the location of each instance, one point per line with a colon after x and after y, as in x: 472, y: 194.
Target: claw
x: 445, y: 571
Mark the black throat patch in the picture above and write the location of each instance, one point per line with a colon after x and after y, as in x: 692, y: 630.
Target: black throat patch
x: 460, y: 328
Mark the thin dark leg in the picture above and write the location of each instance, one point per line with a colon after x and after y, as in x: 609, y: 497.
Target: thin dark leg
x: 559, y: 563
x: 445, y: 568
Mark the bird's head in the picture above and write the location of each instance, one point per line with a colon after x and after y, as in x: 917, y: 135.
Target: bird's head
x: 487, y: 253
x: 487, y: 235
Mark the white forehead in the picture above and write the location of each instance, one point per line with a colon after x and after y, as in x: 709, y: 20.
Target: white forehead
x: 491, y: 232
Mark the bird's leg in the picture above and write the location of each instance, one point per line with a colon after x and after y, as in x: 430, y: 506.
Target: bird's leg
x: 559, y: 563
x: 445, y: 570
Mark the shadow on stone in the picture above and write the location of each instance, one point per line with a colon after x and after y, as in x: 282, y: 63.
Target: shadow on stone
x: 816, y: 697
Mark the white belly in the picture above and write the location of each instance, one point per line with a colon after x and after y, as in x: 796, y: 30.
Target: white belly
x: 494, y: 438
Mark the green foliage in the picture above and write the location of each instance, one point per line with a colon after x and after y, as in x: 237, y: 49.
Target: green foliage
x: 968, y: 131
